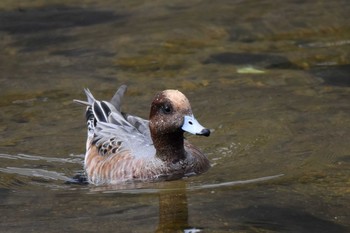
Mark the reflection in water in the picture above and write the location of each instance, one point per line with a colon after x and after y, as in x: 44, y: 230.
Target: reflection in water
x: 172, y: 196
x: 173, y: 210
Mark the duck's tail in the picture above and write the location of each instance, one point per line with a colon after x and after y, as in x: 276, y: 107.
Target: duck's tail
x: 116, y: 100
x: 99, y: 111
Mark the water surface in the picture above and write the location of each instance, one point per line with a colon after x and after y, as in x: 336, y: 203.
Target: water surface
x: 271, y: 79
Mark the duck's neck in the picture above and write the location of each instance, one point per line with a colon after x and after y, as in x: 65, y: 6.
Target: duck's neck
x: 170, y: 147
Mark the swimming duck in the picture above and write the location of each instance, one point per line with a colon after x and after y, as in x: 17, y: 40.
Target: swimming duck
x: 122, y: 147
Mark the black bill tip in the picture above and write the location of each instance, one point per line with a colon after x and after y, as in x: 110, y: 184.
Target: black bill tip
x: 204, y: 132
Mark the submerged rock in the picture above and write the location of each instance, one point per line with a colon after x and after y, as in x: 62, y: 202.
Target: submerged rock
x: 257, y: 59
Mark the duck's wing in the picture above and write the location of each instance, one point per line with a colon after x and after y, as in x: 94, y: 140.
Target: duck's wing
x: 119, y: 133
x: 112, y: 131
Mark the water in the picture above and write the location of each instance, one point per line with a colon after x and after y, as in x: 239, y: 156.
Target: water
x: 269, y: 78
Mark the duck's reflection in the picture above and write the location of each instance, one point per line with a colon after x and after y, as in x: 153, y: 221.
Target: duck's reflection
x: 173, y: 210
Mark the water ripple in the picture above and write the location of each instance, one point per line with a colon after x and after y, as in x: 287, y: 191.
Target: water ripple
x: 30, y: 172
x: 72, y: 159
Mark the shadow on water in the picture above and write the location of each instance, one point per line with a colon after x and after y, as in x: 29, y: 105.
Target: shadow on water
x: 259, y: 60
x: 280, y: 219
x: 333, y: 75
x: 51, y: 18
x: 39, y: 28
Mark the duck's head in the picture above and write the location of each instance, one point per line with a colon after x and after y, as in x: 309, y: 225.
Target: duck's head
x: 171, y: 113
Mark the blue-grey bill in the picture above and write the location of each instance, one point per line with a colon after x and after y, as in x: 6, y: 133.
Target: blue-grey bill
x: 191, y: 125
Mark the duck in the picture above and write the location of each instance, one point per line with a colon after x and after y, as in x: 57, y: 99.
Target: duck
x: 121, y: 147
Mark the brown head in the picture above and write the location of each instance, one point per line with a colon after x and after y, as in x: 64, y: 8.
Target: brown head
x: 171, y: 113
x: 170, y: 116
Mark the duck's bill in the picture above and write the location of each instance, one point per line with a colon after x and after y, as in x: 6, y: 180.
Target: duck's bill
x: 191, y: 125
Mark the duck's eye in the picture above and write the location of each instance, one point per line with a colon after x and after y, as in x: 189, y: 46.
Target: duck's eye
x: 167, y: 109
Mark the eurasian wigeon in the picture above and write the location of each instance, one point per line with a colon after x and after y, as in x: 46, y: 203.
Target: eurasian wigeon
x: 122, y: 147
